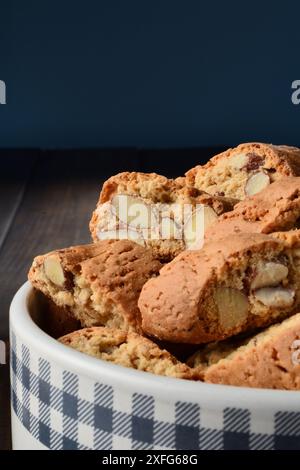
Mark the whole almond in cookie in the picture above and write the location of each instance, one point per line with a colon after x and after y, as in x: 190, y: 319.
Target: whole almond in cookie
x: 276, y: 208
x: 156, y: 212
x: 256, y: 183
x: 98, y: 284
x: 54, y: 271
x: 270, y: 359
x: 246, y: 169
x: 230, y: 286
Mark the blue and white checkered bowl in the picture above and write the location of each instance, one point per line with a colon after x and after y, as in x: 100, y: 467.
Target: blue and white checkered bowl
x: 63, y: 399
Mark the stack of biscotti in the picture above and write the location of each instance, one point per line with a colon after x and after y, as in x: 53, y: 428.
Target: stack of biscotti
x: 95, y: 288
x: 228, y: 288
x: 156, y: 212
x: 270, y: 359
x: 161, y: 213
x: 225, y: 293
x: 275, y: 208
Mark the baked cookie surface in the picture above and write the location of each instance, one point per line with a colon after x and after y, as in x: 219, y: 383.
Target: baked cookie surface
x: 246, y: 169
x: 230, y: 286
x: 100, y: 283
x: 128, y: 350
x: 276, y: 208
x: 270, y: 359
x: 155, y: 211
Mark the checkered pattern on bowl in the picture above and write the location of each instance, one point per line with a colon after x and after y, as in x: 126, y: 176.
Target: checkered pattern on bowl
x: 63, y: 410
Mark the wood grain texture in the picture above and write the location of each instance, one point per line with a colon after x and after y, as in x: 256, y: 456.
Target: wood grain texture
x: 54, y: 213
x: 15, y: 171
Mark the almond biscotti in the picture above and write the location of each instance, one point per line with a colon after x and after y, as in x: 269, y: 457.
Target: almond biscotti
x: 246, y: 169
x: 270, y: 359
x: 155, y: 211
x: 230, y: 286
x: 128, y: 350
x: 100, y: 284
x: 276, y: 208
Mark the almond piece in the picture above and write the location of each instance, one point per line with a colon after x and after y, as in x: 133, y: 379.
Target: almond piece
x: 196, y: 225
x: 232, y: 306
x: 269, y: 274
x: 256, y: 182
x: 276, y: 297
x: 133, y: 211
x: 107, y: 219
x: 122, y: 234
x: 54, y: 271
x: 238, y: 161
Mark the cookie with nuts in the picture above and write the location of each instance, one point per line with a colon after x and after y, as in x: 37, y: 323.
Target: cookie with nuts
x: 128, y: 350
x: 276, y: 208
x: 270, y: 359
x: 230, y: 286
x: 246, y: 169
x: 155, y: 211
x: 100, y: 283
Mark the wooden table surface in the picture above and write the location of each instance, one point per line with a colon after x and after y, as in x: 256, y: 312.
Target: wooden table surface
x: 46, y: 200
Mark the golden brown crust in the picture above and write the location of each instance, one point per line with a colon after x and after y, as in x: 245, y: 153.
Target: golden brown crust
x: 188, y: 312
x: 276, y: 160
x: 232, y: 226
x: 102, y: 281
x: 270, y: 359
x: 286, y: 158
x: 128, y: 350
x: 152, y: 186
x: 290, y: 238
x: 276, y: 208
x: 157, y: 188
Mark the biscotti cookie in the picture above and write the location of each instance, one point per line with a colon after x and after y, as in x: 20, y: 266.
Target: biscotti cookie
x: 276, y: 208
x: 291, y: 239
x: 246, y: 169
x: 155, y: 211
x: 270, y: 359
x: 230, y: 286
x: 128, y: 350
x: 100, y: 284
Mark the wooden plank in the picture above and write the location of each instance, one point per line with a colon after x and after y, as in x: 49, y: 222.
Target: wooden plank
x: 54, y: 213
x: 15, y: 170
x: 16, y: 167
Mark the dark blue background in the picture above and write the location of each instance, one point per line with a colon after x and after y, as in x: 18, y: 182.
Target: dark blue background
x: 148, y: 73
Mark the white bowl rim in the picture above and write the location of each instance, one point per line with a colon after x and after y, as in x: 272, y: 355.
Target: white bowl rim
x: 166, y: 388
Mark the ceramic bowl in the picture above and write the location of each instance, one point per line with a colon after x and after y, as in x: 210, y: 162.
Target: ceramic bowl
x: 63, y: 399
